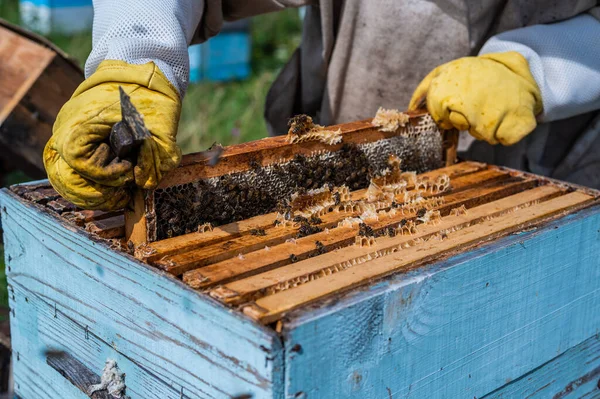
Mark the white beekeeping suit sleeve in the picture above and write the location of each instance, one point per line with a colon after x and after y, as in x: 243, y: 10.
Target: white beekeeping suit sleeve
x: 564, y: 59
x: 140, y: 31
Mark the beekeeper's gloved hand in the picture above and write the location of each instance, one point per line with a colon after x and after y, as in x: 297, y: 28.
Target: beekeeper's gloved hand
x: 78, y: 159
x: 493, y: 96
x: 142, y: 47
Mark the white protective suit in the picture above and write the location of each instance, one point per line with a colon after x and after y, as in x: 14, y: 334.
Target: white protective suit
x: 358, y: 55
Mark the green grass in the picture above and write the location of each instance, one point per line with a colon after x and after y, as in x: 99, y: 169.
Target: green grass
x: 227, y: 113
x: 230, y: 113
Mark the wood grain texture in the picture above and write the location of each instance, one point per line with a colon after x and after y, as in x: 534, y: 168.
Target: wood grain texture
x: 111, y: 227
x: 188, y: 260
x: 76, y: 373
x: 21, y: 63
x: 35, y: 82
x: 60, y: 333
x: 458, y: 328
x: 187, y: 242
x: 272, y: 307
x: 247, y: 289
x: 341, y: 237
x: 450, y: 146
x: 573, y: 374
x: 136, y: 222
x: 70, y: 293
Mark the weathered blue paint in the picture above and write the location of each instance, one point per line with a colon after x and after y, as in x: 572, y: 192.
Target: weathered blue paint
x: 224, y: 57
x: 459, y: 328
x: 484, y: 322
x: 70, y: 293
x: 578, y: 366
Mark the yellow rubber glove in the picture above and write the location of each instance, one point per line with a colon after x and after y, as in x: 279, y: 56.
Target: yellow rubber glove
x: 78, y: 159
x: 493, y: 96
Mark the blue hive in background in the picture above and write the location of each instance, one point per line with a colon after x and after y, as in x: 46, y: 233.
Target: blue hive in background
x: 224, y: 57
x: 57, y: 16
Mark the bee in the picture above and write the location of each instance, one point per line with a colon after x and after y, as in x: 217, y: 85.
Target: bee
x: 337, y: 198
x: 300, y: 124
x: 299, y: 219
x: 365, y: 230
x: 320, y: 248
x: 306, y: 229
x: 315, y: 220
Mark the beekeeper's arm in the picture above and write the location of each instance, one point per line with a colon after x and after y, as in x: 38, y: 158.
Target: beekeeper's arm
x: 140, y: 45
x: 537, y: 73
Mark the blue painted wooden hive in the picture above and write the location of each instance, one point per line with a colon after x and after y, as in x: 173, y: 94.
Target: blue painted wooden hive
x: 468, y: 281
x: 57, y: 16
x: 224, y: 57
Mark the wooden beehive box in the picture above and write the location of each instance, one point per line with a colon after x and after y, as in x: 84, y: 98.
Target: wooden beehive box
x: 486, y: 287
x: 36, y: 79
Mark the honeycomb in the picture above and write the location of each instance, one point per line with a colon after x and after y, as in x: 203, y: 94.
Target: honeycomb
x: 229, y: 198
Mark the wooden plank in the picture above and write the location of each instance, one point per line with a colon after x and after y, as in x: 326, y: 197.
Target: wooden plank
x: 272, y: 307
x: 41, y: 195
x: 184, y: 339
x: 451, y: 146
x: 256, y: 262
x: 186, y: 242
x: 82, y: 217
x: 573, y: 374
x: 460, y: 327
x: 76, y: 373
x: 253, y: 287
x: 135, y: 222
x: 92, y: 215
x: 272, y: 150
x: 86, y: 354
x: 113, y: 227
x: 180, y: 263
x: 35, y: 82
x: 61, y: 205
x: 21, y: 63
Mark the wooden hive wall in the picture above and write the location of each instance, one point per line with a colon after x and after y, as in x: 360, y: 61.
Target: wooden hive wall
x: 513, y: 317
x: 268, y: 270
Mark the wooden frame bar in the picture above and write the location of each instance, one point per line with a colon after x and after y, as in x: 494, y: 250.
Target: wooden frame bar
x: 140, y: 217
x: 492, y: 299
x: 250, y: 288
x: 272, y: 307
x: 179, y: 244
x: 184, y: 261
x: 304, y: 248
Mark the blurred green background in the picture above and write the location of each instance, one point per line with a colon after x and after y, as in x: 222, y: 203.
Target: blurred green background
x: 227, y: 113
